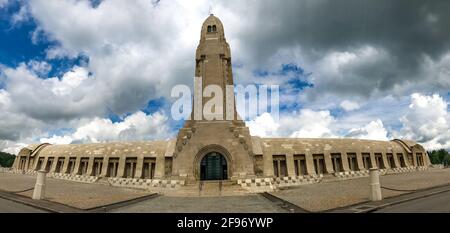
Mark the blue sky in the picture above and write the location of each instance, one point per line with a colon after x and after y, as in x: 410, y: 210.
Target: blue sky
x: 80, y: 72
x: 17, y: 45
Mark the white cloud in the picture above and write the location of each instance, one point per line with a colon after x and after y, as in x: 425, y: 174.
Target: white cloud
x: 39, y: 67
x: 349, y: 105
x: 5, y: 100
x: 73, y: 96
x: 21, y: 16
x: 307, y: 124
x: 70, y: 81
x: 11, y: 146
x: 373, y: 131
x: 136, y: 52
x: 314, y: 124
x: 14, y: 125
x: 263, y: 126
x: 137, y: 126
x: 437, y: 70
x: 427, y: 121
x: 341, y: 73
x: 56, y: 140
x: 311, y: 124
x: 3, y: 3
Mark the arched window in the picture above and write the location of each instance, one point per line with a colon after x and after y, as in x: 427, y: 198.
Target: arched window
x: 214, y: 28
x: 209, y: 28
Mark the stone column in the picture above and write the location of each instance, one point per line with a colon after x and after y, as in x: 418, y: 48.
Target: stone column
x: 373, y: 160
x: 105, y: 166
x: 54, y: 163
x: 328, y: 163
x: 90, y: 167
x: 76, y: 169
x: 150, y: 171
x: 27, y: 161
x: 410, y: 164
x: 36, y: 162
x: 160, y: 166
x: 39, y: 187
x: 268, y: 164
x: 385, y: 160
x: 396, y: 160
x: 359, y: 161
x: 44, y: 164
x: 31, y: 163
x: 16, y: 162
x: 139, y: 165
x: 414, y: 155
x: 290, y: 164
x: 309, y: 163
x: 375, y: 187
x: 65, y: 165
x: 121, y: 169
x: 345, y: 165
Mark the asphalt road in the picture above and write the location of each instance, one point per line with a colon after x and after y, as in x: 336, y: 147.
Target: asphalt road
x: 439, y: 203
x: 7, y: 206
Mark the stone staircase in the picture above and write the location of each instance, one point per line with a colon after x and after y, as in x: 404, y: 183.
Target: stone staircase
x: 209, y: 189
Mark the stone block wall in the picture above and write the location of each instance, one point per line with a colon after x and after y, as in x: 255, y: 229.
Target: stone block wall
x: 406, y: 169
x: 256, y: 185
x: 5, y: 169
x: 352, y: 174
x: 77, y: 178
x: 145, y: 183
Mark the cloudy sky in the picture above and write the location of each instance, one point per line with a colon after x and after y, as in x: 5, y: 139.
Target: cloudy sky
x: 93, y: 71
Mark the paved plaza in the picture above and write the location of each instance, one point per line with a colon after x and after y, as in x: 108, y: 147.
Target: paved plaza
x: 7, y: 206
x: 329, y: 195
x: 75, y: 194
x: 314, y: 197
x: 439, y: 203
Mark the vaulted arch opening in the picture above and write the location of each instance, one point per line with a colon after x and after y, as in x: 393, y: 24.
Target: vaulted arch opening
x: 213, y: 166
x: 213, y: 162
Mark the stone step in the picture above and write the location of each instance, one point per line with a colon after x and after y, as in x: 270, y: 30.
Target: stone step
x: 209, y: 189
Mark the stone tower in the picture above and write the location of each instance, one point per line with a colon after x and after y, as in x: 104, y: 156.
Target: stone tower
x: 213, y: 149
x: 213, y: 66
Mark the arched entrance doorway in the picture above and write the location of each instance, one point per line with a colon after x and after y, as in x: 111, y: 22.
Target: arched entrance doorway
x: 213, y: 167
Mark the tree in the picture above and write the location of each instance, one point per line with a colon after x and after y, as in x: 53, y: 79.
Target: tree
x: 439, y: 157
x: 6, y: 160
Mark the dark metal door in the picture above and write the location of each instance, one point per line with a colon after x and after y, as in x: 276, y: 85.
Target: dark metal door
x: 213, y: 167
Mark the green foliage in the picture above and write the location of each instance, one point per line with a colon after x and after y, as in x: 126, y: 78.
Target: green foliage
x: 439, y: 157
x: 6, y: 160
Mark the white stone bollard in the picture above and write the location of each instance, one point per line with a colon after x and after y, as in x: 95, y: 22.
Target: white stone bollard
x: 39, y: 187
x: 375, y: 187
